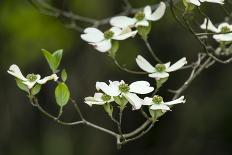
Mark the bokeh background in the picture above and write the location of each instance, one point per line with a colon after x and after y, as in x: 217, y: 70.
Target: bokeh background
x: 201, y: 126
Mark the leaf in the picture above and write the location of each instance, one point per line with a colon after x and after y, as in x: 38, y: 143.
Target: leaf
x: 62, y: 94
x: 64, y: 75
x: 53, y: 59
x: 21, y: 85
x: 143, y: 31
x: 35, y: 90
x: 114, y: 49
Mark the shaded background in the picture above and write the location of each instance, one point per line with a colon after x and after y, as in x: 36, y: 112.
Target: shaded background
x: 201, y: 126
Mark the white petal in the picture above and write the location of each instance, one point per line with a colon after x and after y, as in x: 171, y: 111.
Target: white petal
x: 159, y: 12
x: 223, y: 37
x: 167, y: 65
x: 111, y: 91
x: 177, y: 101
x: 117, y: 31
x: 90, y: 101
x: 147, y: 11
x: 159, y: 75
x: 224, y: 25
x: 15, y: 71
x: 102, y: 46
x: 92, y: 35
x: 134, y: 100
x: 142, y: 23
x: 213, y: 1
x: 122, y: 21
x: 210, y: 26
x: 159, y: 107
x: 195, y: 2
x: 125, y: 35
x: 147, y: 101
x: 180, y: 63
x: 144, y: 64
x: 29, y: 84
x: 47, y: 78
x: 141, y: 87
x: 98, y: 96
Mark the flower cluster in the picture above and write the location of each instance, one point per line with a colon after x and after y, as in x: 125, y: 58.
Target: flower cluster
x: 122, y: 28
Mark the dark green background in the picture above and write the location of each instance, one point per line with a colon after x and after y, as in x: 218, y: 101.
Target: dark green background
x: 201, y: 126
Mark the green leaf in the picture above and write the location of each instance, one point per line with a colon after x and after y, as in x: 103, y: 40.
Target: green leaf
x: 143, y: 31
x: 53, y: 59
x: 114, y: 49
x: 64, y: 75
x: 160, y: 82
x: 109, y: 109
x: 21, y: 85
x: 36, y: 89
x: 62, y: 94
x: 121, y: 101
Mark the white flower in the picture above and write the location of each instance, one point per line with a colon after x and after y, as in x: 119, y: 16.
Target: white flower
x: 160, y: 70
x: 102, y: 41
x: 157, y: 103
x: 141, y: 18
x: 198, y: 2
x: 98, y: 99
x: 222, y: 28
x: 117, y: 88
x: 31, y: 79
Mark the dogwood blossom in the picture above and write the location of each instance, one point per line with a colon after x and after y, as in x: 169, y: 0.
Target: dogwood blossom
x: 116, y: 88
x: 102, y: 41
x: 157, y: 103
x: 98, y: 99
x: 222, y: 28
x: 160, y: 70
x: 140, y: 18
x: 198, y: 2
x: 31, y: 79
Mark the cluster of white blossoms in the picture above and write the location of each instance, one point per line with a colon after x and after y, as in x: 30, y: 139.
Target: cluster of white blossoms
x: 122, y: 28
x: 31, y: 79
x: 198, y: 2
x: 117, y: 91
x: 222, y: 28
x: 160, y: 70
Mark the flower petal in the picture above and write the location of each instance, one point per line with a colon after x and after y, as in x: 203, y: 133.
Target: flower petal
x: 29, y: 84
x: 147, y: 11
x: 134, y: 100
x: 210, y: 26
x: 92, y: 35
x: 91, y: 100
x: 117, y: 31
x: 47, y: 78
x: 159, y: 75
x: 159, y: 107
x: 180, y: 63
x: 122, y: 21
x: 111, y: 91
x: 142, y: 23
x: 213, y: 1
x: 144, y: 64
x: 15, y: 71
x: 195, y: 2
x: 223, y: 37
x: 159, y: 12
x: 179, y: 100
x: 125, y: 35
x: 147, y: 101
x: 102, y: 46
x: 141, y: 87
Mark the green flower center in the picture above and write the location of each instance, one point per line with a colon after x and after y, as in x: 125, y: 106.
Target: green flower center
x: 139, y: 16
x: 157, y: 99
x: 105, y: 97
x: 108, y: 34
x: 225, y: 29
x: 160, y: 67
x: 124, y: 88
x: 31, y: 77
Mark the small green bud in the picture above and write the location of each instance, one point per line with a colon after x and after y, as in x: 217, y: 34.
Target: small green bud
x: 108, y: 34
x: 139, y: 16
x: 157, y: 99
x: 31, y: 77
x: 105, y: 97
x: 124, y: 88
x: 160, y: 67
